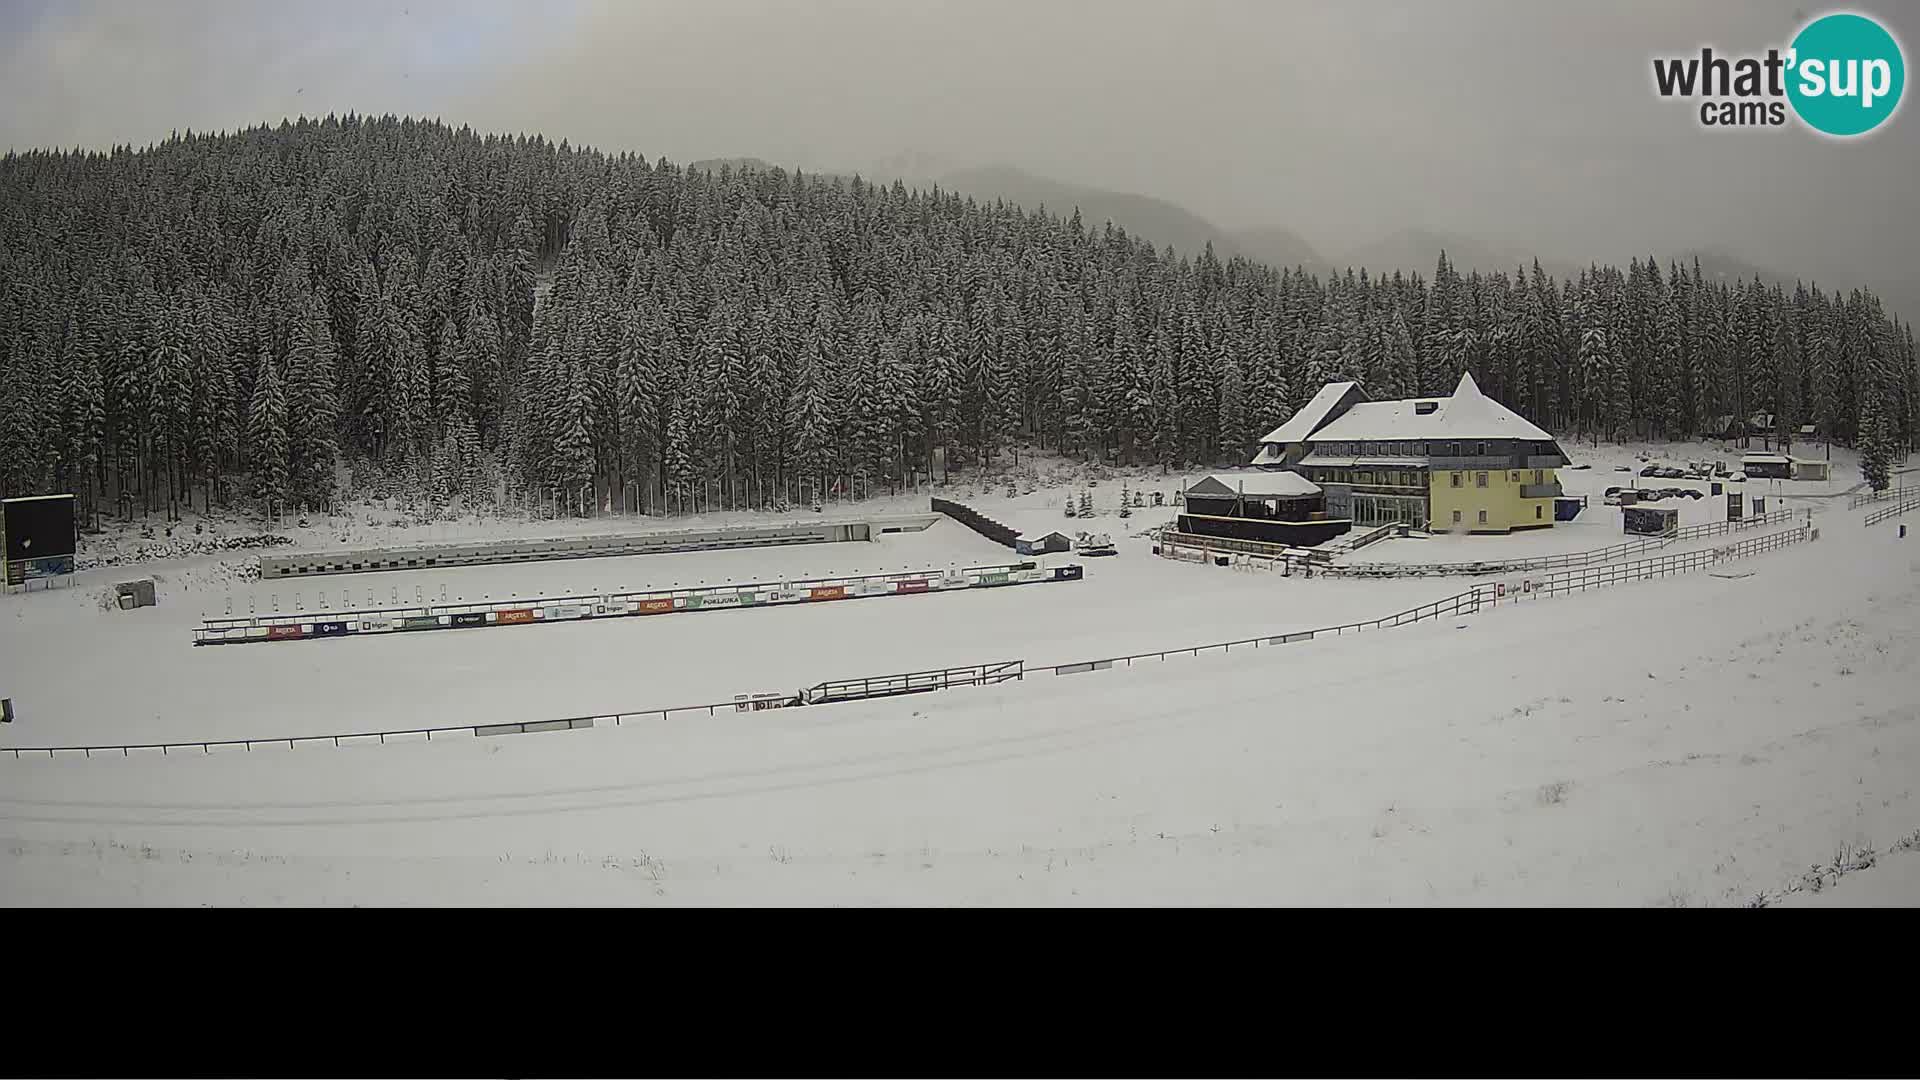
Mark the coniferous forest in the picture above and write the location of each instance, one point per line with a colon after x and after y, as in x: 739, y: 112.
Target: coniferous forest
x: 224, y: 320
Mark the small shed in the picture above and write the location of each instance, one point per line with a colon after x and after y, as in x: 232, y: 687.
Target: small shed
x: 1043, y: 543
x: 1811, y: 470
x: 1767, y: 466
x: 1650, y: 520
x: 134, y: 594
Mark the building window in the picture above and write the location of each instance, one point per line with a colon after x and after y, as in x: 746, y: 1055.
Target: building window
x: 1513, y: 477
x: 1536, y: 476
x: 1483, y: 517
x: 1456, y: 517
x: 1536, y: 513
x: 1479, y: 479
x: 1456, y: 479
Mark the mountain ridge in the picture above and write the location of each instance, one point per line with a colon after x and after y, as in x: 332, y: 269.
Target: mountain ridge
x: 1163, y: 222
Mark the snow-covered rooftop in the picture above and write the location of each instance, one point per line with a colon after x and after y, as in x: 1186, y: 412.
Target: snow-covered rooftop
x: 1259, y: 485
x: 1468, y: 414
x: 1311, y: 415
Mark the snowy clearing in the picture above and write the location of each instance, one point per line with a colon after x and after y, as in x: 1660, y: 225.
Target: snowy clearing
x: 1693, y: 741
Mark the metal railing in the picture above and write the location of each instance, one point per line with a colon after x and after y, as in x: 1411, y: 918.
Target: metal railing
x: 975, y: 520
x: 1878, y: 516
x: 1374, y: 535
x: 912, y: 682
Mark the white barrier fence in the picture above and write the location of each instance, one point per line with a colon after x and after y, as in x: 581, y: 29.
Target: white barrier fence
x: 325, y: 624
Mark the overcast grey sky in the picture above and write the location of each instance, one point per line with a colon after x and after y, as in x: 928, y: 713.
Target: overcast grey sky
x: 1529, y: 124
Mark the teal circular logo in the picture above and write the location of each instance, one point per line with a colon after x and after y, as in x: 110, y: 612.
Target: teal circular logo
x: 1846, y: 74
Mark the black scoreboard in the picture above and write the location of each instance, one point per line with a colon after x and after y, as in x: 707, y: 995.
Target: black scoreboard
x: 40, y: 537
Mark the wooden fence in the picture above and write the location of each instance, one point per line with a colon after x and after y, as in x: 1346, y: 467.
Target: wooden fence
x: 1863, y: 498
x: 1599, y: 577
x: 1880, y: 515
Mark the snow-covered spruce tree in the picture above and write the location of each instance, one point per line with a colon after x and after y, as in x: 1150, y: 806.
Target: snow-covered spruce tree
x: 312, y: 409
x: 1233, y: 413
x: 1876, y: 441
x: 267, y: 433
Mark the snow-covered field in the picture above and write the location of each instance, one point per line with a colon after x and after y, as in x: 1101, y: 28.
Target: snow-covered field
x: 1698, y: 740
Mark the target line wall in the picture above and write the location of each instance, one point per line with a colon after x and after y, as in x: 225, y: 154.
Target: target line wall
x: 533, y: 611
x: 37, y: 538
x: 481, y: 553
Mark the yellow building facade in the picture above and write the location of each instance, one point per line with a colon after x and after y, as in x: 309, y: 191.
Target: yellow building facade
x: 1491, y: 500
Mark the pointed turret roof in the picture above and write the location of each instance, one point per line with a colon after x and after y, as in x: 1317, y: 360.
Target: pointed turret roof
x: 1468, y: 414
